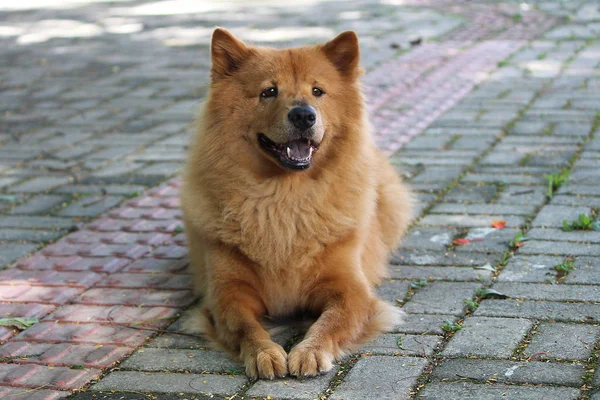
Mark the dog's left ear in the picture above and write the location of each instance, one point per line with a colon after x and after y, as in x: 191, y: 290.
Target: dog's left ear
x: 343, y: 51
x: 227, y: 53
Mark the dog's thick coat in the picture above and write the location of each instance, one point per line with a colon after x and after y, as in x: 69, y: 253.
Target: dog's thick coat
x: 265, y: 240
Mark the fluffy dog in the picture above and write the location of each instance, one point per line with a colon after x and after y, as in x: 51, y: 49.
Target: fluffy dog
x: 288, y: 205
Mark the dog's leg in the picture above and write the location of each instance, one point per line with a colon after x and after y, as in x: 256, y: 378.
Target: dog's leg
x: 236, y: 307
x: 350, y: 314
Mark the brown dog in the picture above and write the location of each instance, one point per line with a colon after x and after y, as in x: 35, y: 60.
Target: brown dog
x: 288, y: 205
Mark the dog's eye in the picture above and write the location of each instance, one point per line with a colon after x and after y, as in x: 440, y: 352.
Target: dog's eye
x: 317, y: 92
x: 270, y: 92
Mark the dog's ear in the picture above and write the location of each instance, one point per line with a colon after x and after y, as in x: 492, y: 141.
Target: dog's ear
x: 227, y: 53
x: 343, y: 51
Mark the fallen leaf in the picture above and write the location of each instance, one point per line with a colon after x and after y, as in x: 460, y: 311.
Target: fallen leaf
x: 499, y: 224
x: 460, y: 241
x: 486, y: 267
x: 19, y: 323
x: 486, y: 293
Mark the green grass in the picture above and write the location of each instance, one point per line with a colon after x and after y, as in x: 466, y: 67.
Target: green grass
x: 449, y: 326
x: 471, y: 305
x: 582, y: 223
x: 564, y: 268
x: 555, y: 181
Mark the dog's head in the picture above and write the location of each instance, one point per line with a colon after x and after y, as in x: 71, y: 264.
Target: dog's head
x: 284, y: 106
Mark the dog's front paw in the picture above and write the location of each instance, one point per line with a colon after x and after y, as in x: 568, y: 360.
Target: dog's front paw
x: 265, y: 360
x: 308, y: 360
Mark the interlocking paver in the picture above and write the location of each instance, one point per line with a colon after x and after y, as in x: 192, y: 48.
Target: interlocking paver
x: 488, y: 337
x: 382, y: 377
x: 82, y: 131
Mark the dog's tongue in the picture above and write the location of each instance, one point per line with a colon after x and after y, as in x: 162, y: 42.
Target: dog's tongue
x: 299, y: 149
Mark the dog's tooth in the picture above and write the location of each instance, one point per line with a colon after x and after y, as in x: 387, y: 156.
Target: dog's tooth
x: 289, y: 152
x: 310, y: 150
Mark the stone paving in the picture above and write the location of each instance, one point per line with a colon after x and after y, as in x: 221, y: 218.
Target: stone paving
x: 475, y: 102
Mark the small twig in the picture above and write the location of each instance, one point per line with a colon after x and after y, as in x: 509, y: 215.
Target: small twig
x: 537, y: 355
x: 522, y: 192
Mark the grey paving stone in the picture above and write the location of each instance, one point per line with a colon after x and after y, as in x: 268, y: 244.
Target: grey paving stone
x: 40, y: 184
x: 489, y: 209
x: 574, y: 201
x: 438, y: 273
x: 428, y: 239
x: 127, y: 190
x: 501, y: 371
x: 488, y: 240
x: 562, y: 248
x: 523, y: 268
x: 563, y: 341
x: 171, y: 382
x: 90, y: 206
x: 469, y: 221
x: 393, y: 291
x: 26, y: 221
x: 29, y: 235
x: 471, y: 193
x: 586, y: 271
x: 472, y: 391
x: 488, y: 337
x: 552, y: 292
x: 406, y: 345
x: 197, y: 361
x: 39, y: 204
x: 578, y: 190
x: 448, y: 258
x: 381, y: 377
x: 553, y: 216
x: 560, y: 235
x: 505, y: 179
x: 424, y: 324
x: 542, y: 310
x: 10, y: 252
x: 290, y: 388
x: 522, y: 195
x: 441, y: 298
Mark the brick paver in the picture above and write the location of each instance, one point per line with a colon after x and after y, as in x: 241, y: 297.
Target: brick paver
x: 476, y: 102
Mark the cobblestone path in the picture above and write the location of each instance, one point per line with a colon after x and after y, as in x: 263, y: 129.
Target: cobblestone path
x: 476, y: 102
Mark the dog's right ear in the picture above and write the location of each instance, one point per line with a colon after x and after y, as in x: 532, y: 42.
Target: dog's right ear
x: 227, y: 53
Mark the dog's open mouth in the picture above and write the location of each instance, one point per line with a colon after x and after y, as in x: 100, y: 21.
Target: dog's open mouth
x: 295, y: 154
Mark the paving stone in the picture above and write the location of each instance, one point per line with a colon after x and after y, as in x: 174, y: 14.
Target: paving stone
x: 182, y: 360
x: 170, y: 382
x: 553, y: 216
x: 428, y: 239
x: 471, y: 193
x: 90, y: 206
x: 563, y: 341
x: 11, y: 252
x: 136, y: 297
x: 471, y: 391
x: 469, y: 221
x: 532, y: 291
x: 393, y: 291
x: 34, y: 376
x: 114, y: 395
x: 406, y: 345
x: 40, y: 184
x: 559, y: 248
x: 488, y: 337
x: 39, y: 204
x: 134, y: 316
x: 424, y: 324
x: 542, y: 310
x: 25, y: 221
x: 501, y: 371
x: 438, y: 273
x: 441, y: 298
x: 448, y: 258
x: 522, y: 195
x: 64, y: 354
x: 560, y: 235
x: 29, y: 235
x: 290, y: 388
x: 371, y: 377
x: 489, y: 209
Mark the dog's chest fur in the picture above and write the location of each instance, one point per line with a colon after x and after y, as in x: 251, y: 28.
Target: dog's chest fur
x: 284, y: 224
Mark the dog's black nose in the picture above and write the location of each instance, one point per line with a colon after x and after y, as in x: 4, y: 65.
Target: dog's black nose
x: 302, y: 117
